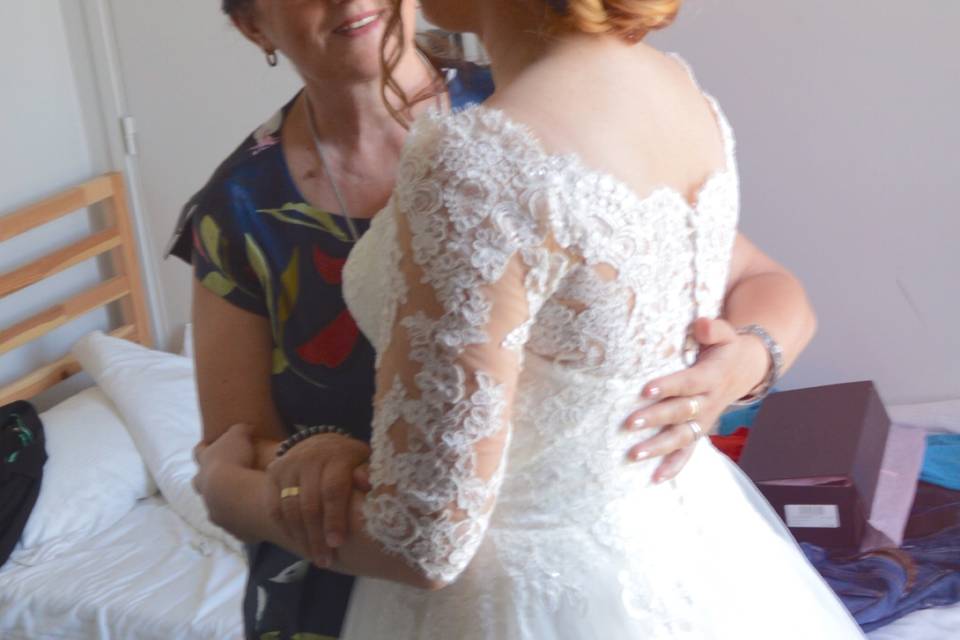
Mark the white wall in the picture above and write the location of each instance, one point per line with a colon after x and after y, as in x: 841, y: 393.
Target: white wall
x: 45, y: 147
x: 849, y: 149
x: 196, y: 89
x: 845, y: 114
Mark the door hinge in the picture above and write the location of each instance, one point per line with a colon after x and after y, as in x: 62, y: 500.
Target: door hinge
x: 129, y: 126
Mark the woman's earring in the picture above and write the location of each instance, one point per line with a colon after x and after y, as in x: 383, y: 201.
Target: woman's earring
x: 272, y: 58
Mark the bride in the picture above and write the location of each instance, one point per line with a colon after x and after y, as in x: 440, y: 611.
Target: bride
x: 542, y: 258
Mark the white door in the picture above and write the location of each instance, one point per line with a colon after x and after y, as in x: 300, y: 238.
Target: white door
x: 194, y: 88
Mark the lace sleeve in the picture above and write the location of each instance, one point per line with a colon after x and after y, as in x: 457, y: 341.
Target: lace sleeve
x: 474, y: 263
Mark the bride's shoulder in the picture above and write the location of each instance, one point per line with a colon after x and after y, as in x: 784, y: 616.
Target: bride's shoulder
x: 471, y: 138
x: 470, y: 166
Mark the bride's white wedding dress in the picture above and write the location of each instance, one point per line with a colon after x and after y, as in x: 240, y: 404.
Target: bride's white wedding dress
x: 518, y: 301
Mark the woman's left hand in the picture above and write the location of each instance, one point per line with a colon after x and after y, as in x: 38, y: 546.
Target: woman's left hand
x: 323, y: 469
x: 728, y: 368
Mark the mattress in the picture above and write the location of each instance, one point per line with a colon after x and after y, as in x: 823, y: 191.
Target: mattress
x: 151, y: 577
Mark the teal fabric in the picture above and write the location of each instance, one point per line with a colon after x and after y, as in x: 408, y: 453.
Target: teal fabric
x: 738, y: 417
x: 941, y: 464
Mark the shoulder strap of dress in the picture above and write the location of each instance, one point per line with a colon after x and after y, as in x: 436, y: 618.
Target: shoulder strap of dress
x: 726, y: 131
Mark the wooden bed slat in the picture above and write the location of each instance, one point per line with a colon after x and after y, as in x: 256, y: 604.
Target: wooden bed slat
x: 58, y: 315
x: 125, y: 263
x: 125, y: 288
x: 56, y: 206
x: 54, y: 263
x: 44, y: 378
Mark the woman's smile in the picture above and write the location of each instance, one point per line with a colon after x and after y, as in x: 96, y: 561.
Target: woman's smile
x: 360, y: 25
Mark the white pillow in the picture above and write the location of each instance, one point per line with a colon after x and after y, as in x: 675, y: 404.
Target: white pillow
x: 155, y: 393
x: 94, y: 476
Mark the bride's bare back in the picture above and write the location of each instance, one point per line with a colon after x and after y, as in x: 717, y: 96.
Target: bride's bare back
x: 627, y: 110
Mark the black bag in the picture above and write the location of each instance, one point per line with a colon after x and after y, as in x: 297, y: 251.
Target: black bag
x: 22, y: 456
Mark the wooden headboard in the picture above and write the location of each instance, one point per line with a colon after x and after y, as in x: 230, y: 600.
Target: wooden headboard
x: 124, y: 287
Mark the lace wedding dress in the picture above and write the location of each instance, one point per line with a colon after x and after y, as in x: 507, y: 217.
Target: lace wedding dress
x: 518, y: 302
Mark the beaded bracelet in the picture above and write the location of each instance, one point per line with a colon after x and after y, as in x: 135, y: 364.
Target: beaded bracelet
x: 308, y: 432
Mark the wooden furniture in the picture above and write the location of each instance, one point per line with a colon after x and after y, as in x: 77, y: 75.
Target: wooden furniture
x: 124, y: 287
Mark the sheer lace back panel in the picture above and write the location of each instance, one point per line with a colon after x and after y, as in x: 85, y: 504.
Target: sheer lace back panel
x: 507, y: 285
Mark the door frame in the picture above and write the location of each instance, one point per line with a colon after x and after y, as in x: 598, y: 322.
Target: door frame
x: 92, y: 39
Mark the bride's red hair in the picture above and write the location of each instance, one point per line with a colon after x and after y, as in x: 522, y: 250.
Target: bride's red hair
x: 628, y: 19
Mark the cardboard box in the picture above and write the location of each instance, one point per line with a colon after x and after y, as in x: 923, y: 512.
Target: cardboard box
x: 815, y: 454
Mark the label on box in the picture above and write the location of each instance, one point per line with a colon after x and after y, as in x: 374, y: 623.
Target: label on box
x: 812, y: 516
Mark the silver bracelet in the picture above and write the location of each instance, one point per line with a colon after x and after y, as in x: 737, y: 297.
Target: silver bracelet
x: 308, y: 432
x: 773, y: 371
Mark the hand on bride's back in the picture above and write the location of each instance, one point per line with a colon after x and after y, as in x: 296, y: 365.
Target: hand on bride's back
x: 729, y: 366
x: 324, y: 468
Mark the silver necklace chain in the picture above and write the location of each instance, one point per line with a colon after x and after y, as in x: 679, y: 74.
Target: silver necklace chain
x: 326, y: 168
x: 311, y: 123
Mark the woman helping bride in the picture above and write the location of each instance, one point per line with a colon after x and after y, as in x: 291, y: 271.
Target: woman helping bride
x: 542, y: 258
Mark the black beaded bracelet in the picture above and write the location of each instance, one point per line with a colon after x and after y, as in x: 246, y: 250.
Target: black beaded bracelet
x: 308, y: 432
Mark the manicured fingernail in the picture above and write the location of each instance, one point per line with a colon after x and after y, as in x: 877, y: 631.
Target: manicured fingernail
x: 653, y: 392
x: 638, y: 423
x: 640, y: 455
x: 334, y: 539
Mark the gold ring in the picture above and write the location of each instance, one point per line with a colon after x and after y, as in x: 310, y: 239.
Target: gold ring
x: 694, y: 408
x: 290, y: 492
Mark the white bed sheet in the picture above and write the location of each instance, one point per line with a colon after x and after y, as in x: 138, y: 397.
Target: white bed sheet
x: 940, y: 623
x: 151, y: 577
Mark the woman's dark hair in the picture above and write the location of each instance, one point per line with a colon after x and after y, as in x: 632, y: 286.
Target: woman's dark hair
x: 230, y: 7
x: 391, y: 53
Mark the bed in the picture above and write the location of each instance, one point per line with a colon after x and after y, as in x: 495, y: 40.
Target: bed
x: 150, y: 576
x: 140, y: 570
x: 151, y: 566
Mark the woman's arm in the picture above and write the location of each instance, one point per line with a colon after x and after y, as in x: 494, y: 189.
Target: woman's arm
x: 472, y: 270
x: 233, y: 354
x: 442, y: 414
x: 759, y: 291
x: 762, y: 291
x: 363, y: 556
x: 237, y: 495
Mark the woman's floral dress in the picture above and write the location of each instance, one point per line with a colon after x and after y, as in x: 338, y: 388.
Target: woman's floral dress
x: 256, y: 243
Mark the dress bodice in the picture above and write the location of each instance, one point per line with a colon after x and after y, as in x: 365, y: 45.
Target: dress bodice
x: 508, y: 288
x: 518, y: 301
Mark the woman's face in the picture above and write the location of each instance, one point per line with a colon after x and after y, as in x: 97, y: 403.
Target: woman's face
x: 324, y: 38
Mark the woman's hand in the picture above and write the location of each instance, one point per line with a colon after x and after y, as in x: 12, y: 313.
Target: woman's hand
x: 728, y: 368
x: 236, y: 446
x: 324, y: 469
x: 236, y: 450
x: 239, y: 496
